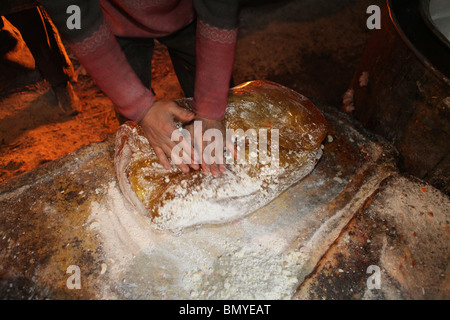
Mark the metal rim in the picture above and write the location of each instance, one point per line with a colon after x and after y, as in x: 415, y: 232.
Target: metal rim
x: 409, y: 22
x: 425, y: 12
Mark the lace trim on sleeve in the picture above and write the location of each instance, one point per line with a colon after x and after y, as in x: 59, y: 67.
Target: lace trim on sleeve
x: 223, y: 36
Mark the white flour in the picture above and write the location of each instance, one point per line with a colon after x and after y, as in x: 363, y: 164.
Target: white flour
x: 123, y: 230
x: 247, y: 274
x: 215, y: 200
x: 202, y: 198
x: 200, y: 264
x: 214, y: 249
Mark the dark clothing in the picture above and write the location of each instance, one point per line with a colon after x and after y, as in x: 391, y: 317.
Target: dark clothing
x: 181, y: 48
x: 13, y: 6
x: 111, y: 62
x: 42, y: 39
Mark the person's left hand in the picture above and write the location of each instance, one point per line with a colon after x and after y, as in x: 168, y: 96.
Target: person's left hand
x: 212, y: 162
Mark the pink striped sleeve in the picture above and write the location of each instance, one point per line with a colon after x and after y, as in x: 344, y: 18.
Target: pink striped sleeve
x: 215, y: 57
x: 103, y: 59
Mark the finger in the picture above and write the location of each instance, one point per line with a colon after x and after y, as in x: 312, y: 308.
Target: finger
x: 194, y: 166
x: 182, y: 114
x: 189, y: 157
x: 189, y: 145
x: 162, y: 157
x: 222, y: 168
x: 206, y: 159
x: 205, y: 166
x: 197, y: 143
x: 183, y: 145
x: 214, y: 169
x: 220, y: 161
x: 210, y: 164
x: 188, y: 152
x: 198, y: 158
x: 176, y: 159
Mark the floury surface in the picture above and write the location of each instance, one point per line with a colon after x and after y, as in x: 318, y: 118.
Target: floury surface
x: 316, y: 240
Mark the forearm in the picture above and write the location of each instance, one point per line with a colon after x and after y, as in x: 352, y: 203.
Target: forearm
x: 215, y: 58
x: 216, y: 43
x: 104, y: 60
x: 98, y: 51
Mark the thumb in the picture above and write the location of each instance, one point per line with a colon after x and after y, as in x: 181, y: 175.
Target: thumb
x: 182, y: 114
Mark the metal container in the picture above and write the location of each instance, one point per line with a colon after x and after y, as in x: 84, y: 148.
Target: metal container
x: 401, y: 89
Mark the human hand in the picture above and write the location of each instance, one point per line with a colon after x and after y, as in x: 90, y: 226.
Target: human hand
x: 158, y: 125
x: 210, y: 161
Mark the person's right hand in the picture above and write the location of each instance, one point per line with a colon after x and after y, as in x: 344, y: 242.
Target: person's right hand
x: 158, y: 125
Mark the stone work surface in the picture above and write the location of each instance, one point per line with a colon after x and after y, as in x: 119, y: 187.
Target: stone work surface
x: 402, y: 234
x: 352, y: 211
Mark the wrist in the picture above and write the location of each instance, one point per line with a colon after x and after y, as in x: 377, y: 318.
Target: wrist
x: 146, y: 113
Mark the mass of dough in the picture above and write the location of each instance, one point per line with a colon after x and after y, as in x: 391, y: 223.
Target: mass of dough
x: 174, y: 200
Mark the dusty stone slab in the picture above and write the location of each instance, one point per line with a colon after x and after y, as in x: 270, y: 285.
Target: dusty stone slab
x: 402, y: 230
x: 64, y: 214
x: 42, y: 225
